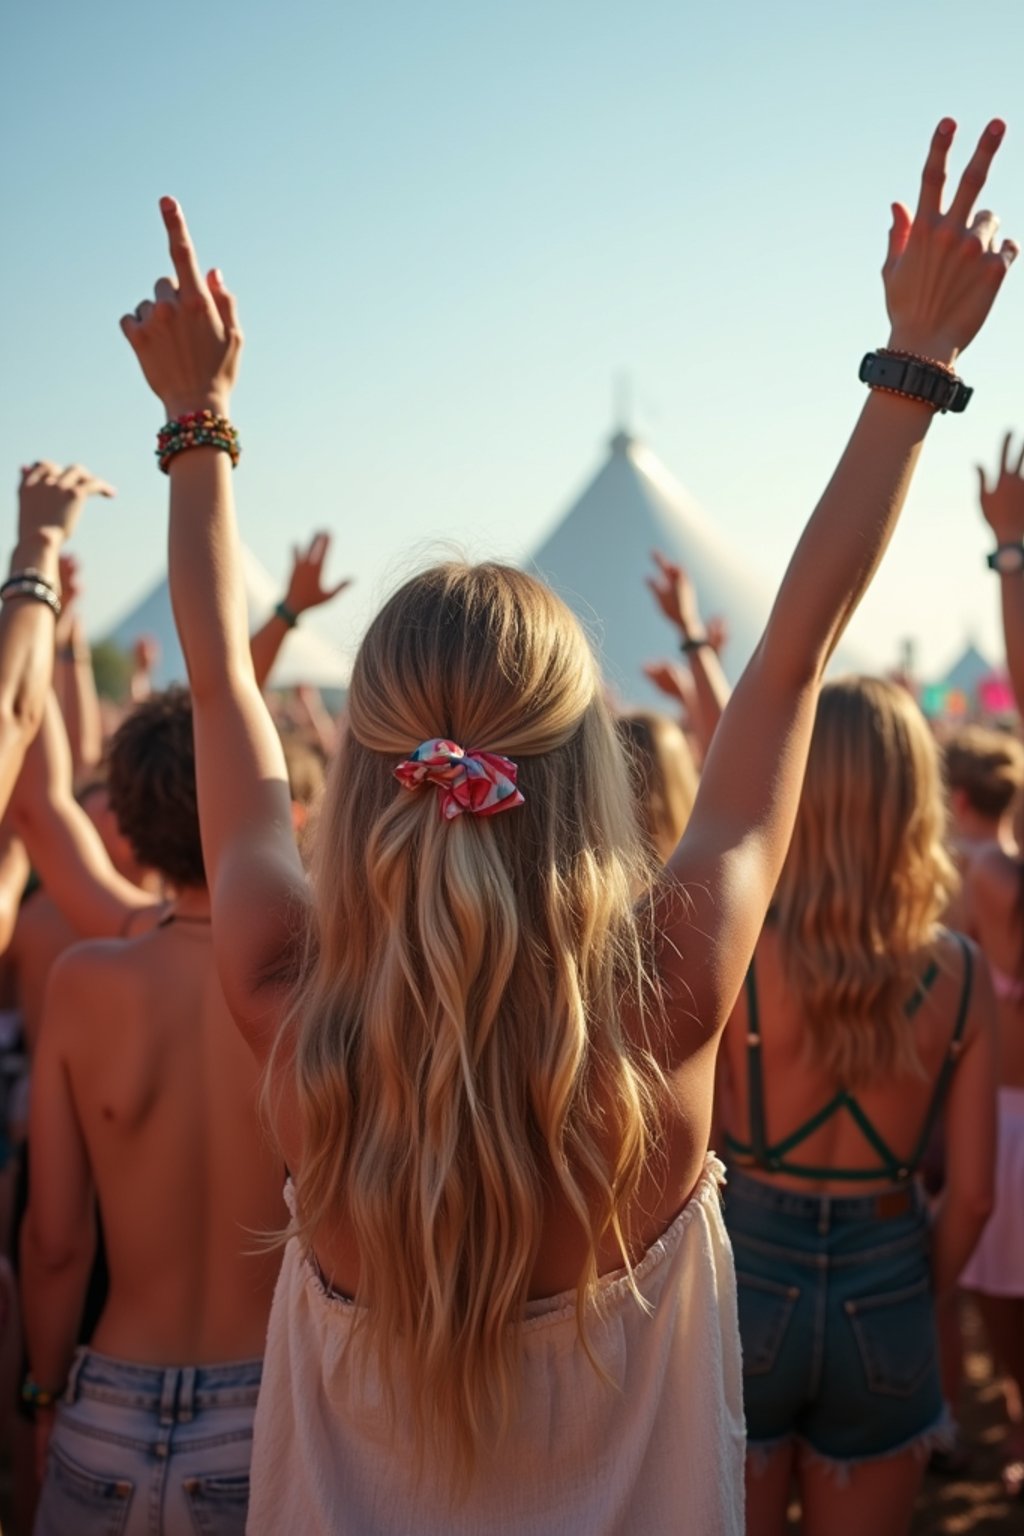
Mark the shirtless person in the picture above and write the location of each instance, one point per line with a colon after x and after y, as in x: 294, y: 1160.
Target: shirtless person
x: 144, y: 1098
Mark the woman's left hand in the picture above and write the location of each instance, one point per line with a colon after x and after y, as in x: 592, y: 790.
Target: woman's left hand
x: 187, y: 338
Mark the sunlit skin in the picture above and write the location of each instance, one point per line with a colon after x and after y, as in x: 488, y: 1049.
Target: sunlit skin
x: 942, y: 274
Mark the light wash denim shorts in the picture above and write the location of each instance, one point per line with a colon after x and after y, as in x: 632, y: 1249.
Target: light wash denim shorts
x: 139, y: 1450
x: 836, y: 1320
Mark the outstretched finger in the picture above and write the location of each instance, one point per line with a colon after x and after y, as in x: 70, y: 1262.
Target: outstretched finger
x: 1004, y: 456
x: 933, y: 177
x: 333, y: 592
x: 1020, y: 462
x: 982, y: 482
x: 91, y: 486
x: 976, y: 172
x: 183, y: 253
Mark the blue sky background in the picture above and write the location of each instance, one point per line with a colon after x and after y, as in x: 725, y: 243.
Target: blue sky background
x: 451, y: 225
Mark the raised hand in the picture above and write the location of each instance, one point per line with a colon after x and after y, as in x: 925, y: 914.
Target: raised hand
x: 1002, y: 504
x: 943, y: 270
x: 673, y: 680
x: 675, y: 595
x: 50, y: 498
x: 187, y: 337
x: 717, y: 630
x: 306, y: 587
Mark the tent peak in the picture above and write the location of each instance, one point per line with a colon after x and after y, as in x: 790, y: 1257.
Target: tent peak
x: 622, y: 442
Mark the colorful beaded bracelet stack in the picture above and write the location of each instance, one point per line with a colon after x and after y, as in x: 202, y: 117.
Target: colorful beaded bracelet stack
x: 33, y: 585
x: 197, y: 429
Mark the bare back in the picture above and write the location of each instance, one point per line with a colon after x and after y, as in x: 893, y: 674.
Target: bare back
x: 165, y: 1092
x: 796, y: 1088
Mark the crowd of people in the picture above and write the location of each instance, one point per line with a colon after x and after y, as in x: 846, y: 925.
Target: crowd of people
x: 491, y: 1110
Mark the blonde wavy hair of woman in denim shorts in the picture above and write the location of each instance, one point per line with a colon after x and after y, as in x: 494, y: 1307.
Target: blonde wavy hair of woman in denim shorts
x: 489, y: 1073
x: 862, y: 1020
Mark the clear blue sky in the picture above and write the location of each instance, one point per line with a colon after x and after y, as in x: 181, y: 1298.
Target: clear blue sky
x: 450, y: 225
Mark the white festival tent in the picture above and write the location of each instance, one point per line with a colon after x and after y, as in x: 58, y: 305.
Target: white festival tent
x: 305, y: 656
x: 599, y: 554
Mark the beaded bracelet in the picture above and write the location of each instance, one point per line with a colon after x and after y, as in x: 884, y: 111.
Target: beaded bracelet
x: 28, y: 586
x: 916, y: 357
x: 197, y: 429
x: 36, y: 1397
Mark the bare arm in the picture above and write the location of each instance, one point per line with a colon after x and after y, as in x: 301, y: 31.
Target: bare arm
x: 970, y: 1134
x: 188, y: 344
x: 1002, y: 507
x: 50, y: 501
x: 14, y: 873
x: 941, y: 278
x: 63, y: 844
x: 305, y: 590
x: 58, y: 1235
x: 676, y: 596
x: 79, y: 702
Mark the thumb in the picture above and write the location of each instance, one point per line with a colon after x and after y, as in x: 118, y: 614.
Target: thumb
x: 899, y: 234
x: 982, y: 487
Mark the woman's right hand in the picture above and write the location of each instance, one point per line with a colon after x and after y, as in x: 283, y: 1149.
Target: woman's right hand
x: 943, y: 270
x: 187, y: 338
x: 1003, y: 506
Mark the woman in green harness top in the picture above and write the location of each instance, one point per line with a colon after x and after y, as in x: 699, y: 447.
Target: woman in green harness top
x: 861, y: 1022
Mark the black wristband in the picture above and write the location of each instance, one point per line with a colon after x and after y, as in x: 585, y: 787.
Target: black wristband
x: 286, y: 614
x: 693, y: 643
x: 1007, y: 559
x: 916, y: 379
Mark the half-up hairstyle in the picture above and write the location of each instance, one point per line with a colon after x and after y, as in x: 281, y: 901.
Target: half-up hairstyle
x: 867, y: 877
x: 459, y: 1053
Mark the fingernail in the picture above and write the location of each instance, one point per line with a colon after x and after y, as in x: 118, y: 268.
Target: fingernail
x: 168, y: 204
x: 218, y: 277
x: 947, y: 125
x: 997, y: 127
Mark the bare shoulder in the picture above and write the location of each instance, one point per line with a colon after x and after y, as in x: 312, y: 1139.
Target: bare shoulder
x: 89, y: 983
x: 992, y: 879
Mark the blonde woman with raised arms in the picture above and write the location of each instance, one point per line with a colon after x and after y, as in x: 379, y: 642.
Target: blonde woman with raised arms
x: 507, y: 1300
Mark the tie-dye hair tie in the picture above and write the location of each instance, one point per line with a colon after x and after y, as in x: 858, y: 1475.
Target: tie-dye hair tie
x: 479, y: 783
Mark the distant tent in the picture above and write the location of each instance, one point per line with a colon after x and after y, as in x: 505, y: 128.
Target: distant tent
x: 305, y: 656
x: 599, y: 554
x: 967, y: 672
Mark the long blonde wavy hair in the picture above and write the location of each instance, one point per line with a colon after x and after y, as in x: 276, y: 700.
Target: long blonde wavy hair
x: 866, y: 879
x: 459, y: 1051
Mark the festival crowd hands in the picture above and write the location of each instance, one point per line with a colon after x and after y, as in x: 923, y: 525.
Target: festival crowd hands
x: 942, y: 273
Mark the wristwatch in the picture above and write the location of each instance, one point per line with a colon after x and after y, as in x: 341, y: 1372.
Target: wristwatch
x: 1007, y: 559
x: 917, y: 379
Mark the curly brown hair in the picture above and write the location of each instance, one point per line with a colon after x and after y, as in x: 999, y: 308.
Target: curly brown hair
x: 152, y: 787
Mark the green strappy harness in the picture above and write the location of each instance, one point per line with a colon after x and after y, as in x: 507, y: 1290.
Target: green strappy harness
x: 774, y: 1157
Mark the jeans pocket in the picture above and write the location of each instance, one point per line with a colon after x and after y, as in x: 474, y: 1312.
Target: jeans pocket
x: 895, y: 1334
x: 218, y: 1502
x: 765, y: 1308
x: 74, y: 1498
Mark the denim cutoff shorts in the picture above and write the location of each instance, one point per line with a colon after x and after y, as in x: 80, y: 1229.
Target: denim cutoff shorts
x: 836, y: 1320
x: 140, y: 1450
